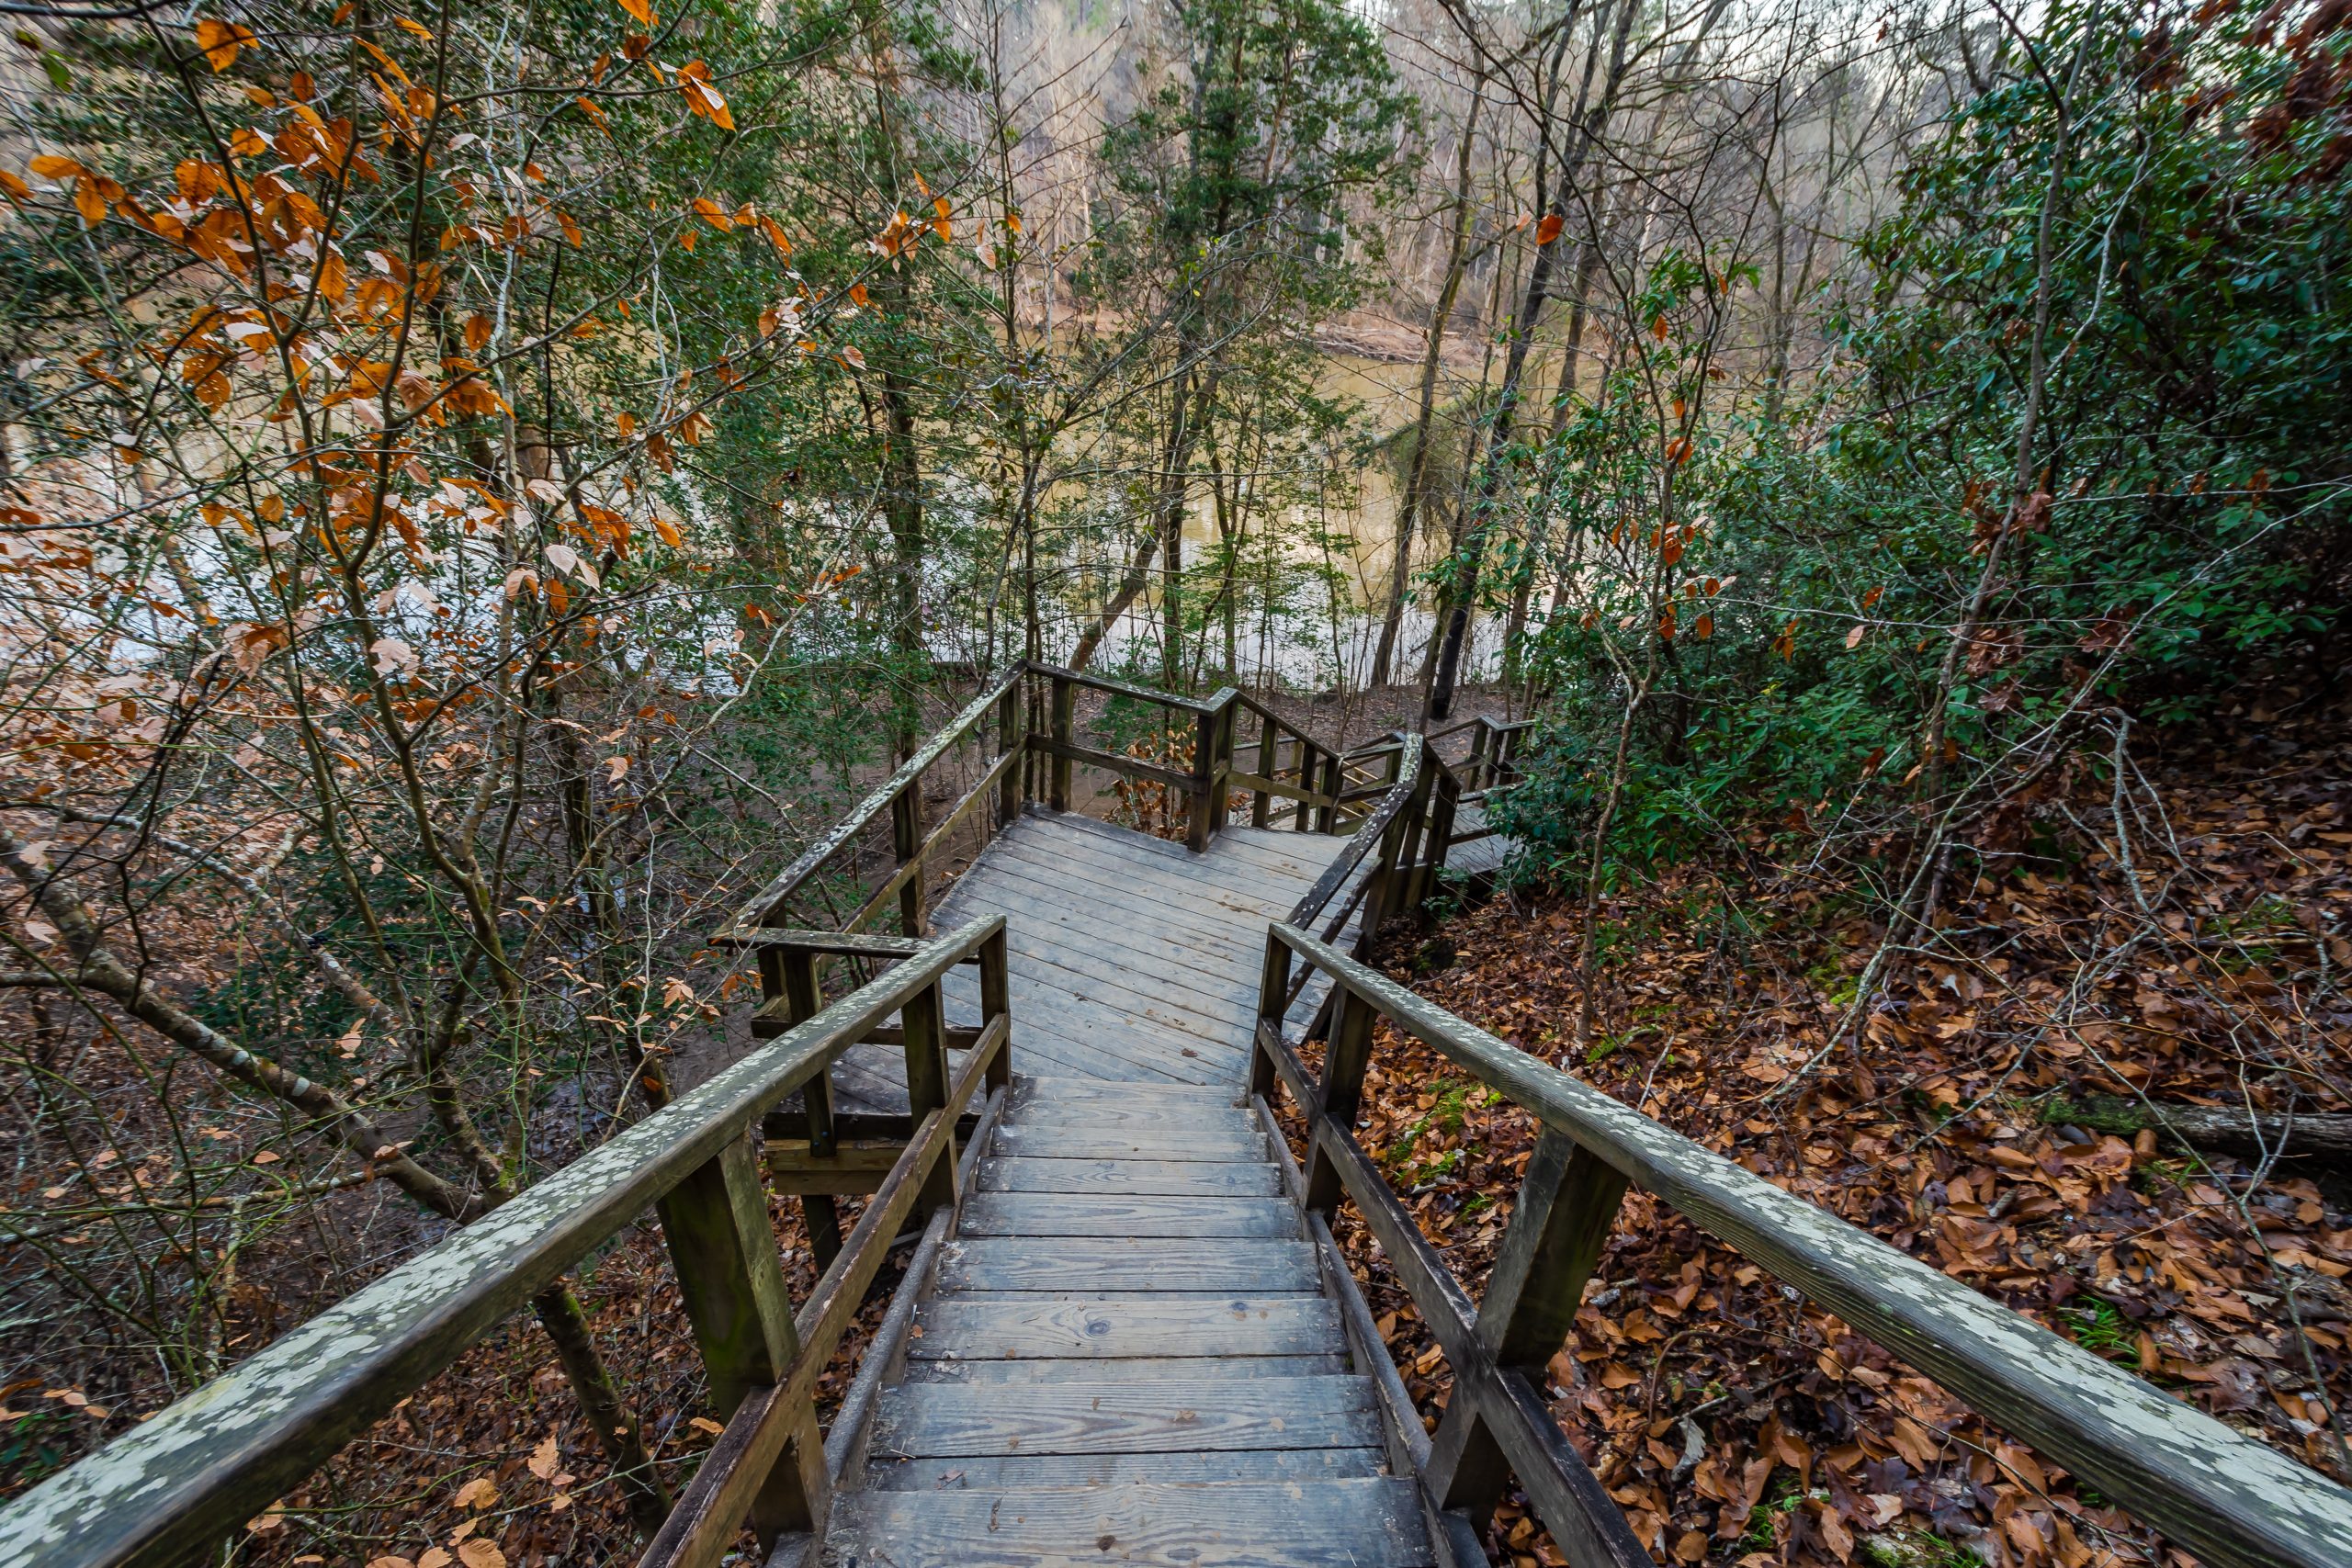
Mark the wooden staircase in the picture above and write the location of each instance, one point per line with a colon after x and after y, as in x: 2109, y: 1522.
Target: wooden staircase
x: 1128, y: 1350
x: 1124, y: 1334
x: 1127, y: 1355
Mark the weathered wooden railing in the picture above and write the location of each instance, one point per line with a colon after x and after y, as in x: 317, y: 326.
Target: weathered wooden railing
x: 1024, y: 724
x: 2230, y: 1500
x: 180, y: 1484
x: 1492, y: 756
x: 1398, y: 847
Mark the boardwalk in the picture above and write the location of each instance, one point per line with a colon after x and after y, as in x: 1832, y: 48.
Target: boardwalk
x: 1132, y: 959
x: 1127, y: 1353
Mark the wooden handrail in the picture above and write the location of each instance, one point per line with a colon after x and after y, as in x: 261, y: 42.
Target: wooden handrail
x: 1125, y: 688
x: 1417, y: 768
x: 2234, y: 1502
x: 767, y: 906
x: 206, y: 1463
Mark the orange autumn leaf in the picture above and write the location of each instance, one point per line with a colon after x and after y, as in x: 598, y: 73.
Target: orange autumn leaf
x: 713, y: 214
x: 1549, y: 229
x: 706, y: 101
x: 640, y: 10
x: 220, y: 41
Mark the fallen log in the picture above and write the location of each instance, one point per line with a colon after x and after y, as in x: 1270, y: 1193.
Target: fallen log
x: 2250, y: 1135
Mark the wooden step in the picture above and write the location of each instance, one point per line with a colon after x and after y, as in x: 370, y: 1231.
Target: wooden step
x: 1063, y: 1138
x: 953, y: 1326
x: 1236, y: 1267
x: 1216, y: 1468
x: 1057, y: 1214
x: 1371, y: 1523
x: 1187, y: 1416
x: 1081, y: 1100
x: 1126, y: 1369
x: 1194, y: 1178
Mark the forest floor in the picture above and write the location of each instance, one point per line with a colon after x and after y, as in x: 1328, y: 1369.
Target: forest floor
x: 1737, y: 1424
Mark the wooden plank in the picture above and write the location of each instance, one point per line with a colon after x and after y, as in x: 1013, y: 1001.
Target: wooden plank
x: 1168, y: 990
x: 1118, y: 688
x: 1128, y: 909
x: 1260, y: 784
x: 1203, y: 1109
x: 1133, y: 970
x: 989, y: 1476
x: 1157, y: 1326
x: 1132, y: 1048
x: 1247, y: 864
x: 1280, y: 854
x: 1236, y: 1267
x: 1222, y: 889
x: 1111, y: 1141
x: 1032, y: 1089
x: 1135, y: 1176
x: 921, y: 1420
x: 1112, y: 1036
x: 855, y: 1166
x: 864, y: 945
x: 1040, y: 1041
x: 1075, y: 1033
x: 1088, y: 1008
x: 1330, y: 1363
x: 1052, y: 1214
x: 1069, y: 951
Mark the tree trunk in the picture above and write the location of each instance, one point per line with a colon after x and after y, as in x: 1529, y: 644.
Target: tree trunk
x: 1417, y: 478
x: 1531, y: 306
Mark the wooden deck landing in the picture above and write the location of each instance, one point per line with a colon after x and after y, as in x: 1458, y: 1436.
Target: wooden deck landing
x: 1127, y: 1357
x: 1132, y: 958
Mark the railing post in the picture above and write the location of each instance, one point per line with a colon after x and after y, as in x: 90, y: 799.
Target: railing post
x: 1273, y: 1000
x: 791, y: 973
x: 1302, y: 821
x: 732, y: 1277
x: 1065, y: 703
x: 1568, y: 1204
x: 1326, y: 817
x: 1388, y: 878
x: 996, y: 1001
x: 797, y: 976
x: 1445, y: 799
x: 906, y: 841
x: 1261, y: 803
x: 1474, y: 766
x: 1200, y: 811
x: 1009, y: 742
x: 1338, y: 1090
x: 927, y: 1081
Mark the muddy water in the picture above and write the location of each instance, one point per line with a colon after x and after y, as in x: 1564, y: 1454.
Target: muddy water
x: 1325, y: 641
